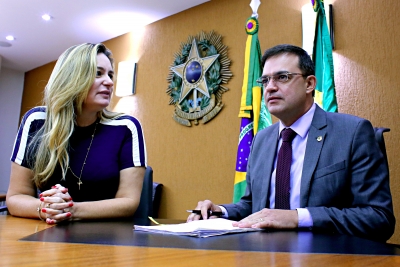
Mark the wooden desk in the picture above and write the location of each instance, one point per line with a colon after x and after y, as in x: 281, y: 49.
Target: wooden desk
x: 15, y: 252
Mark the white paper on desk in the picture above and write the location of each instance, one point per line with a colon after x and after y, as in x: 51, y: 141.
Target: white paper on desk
x: 201, y: 228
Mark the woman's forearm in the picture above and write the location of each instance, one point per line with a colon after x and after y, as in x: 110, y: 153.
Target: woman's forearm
x: 24, y: 206
x: 104, y: 209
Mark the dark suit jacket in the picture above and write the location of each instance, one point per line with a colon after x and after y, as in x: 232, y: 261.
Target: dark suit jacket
x: 344, y: 183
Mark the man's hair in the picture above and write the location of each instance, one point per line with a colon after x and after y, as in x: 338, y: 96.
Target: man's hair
x: 306, y: 65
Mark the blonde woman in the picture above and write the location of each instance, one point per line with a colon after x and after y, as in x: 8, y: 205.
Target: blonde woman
x: 87, y: 162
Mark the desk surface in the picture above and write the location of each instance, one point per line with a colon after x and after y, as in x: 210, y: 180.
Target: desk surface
x: 120, y: 233
x: 15, y: 249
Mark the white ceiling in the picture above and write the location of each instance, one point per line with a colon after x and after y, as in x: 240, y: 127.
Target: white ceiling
x: 39, y: 42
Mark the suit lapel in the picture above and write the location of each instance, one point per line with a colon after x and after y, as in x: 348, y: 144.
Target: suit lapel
x: 315, y: 141
x: 267, y: 168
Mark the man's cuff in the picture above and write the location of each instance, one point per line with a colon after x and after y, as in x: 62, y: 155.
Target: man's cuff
x: 224, y: 211
x: 305, y: 219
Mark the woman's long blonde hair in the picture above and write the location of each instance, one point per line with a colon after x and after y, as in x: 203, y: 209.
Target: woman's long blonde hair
x: 67, y: 89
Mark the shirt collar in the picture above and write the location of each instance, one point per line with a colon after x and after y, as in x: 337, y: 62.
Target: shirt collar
x: 302, y: 125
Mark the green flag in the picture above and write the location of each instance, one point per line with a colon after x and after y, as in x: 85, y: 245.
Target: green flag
x: 325, y: 95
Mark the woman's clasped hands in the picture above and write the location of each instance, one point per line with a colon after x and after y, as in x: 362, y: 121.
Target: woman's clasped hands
x: 56, y: 205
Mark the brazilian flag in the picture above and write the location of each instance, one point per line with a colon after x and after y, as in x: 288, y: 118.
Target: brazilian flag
x: 325, y: 95
x: 253, y: 112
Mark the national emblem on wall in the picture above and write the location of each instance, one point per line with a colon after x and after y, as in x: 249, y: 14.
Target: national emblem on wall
x: 196, y: 77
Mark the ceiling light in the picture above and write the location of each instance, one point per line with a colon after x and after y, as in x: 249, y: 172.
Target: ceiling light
x: 10, y: 38
x: 46, y: 17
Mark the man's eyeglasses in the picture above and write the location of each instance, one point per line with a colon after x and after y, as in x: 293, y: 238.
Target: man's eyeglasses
x: 280, y: 78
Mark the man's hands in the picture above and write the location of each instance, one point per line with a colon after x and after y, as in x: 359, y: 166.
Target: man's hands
x: 265, y: 218
x: 205, y: 206
x: 270, y: 218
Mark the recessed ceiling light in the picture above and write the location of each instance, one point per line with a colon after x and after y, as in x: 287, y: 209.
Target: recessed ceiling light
x: 10, y: 38
x: 46, y: 17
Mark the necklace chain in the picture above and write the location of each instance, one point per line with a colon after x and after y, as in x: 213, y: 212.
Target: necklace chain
x: 84, y: 162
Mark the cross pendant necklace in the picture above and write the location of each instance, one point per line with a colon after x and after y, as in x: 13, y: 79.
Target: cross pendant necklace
x: 84, y: 162
x: 79, y: 184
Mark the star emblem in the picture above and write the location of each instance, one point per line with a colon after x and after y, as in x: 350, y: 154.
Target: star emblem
x: 192, y: 73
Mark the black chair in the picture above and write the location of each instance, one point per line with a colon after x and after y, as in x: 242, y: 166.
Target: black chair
x: 145, y: 208
x: 381, y: 141
x: 3, y: 207
x: 154, y: 191
x: 157, y: 189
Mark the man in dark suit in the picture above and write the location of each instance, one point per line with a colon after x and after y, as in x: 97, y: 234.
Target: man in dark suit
x: 338, y: 179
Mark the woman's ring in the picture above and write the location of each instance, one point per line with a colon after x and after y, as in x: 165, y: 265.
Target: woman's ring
x: 260, y: 219
x: 48, y: 205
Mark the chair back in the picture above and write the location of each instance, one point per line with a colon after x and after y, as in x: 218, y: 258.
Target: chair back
x: 3, y: 205
x: 381, y: 141
x: 145, y: 207
x: 157, y: 189
x: 3, y: 210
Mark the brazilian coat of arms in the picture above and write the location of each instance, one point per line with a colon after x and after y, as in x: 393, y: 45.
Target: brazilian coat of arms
x: 196, y: 77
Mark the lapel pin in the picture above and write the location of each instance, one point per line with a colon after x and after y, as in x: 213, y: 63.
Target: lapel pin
x: 319, y: 138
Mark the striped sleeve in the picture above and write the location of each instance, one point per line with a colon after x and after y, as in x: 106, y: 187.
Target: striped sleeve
x: 139, y: 153
x: 33, y: 119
